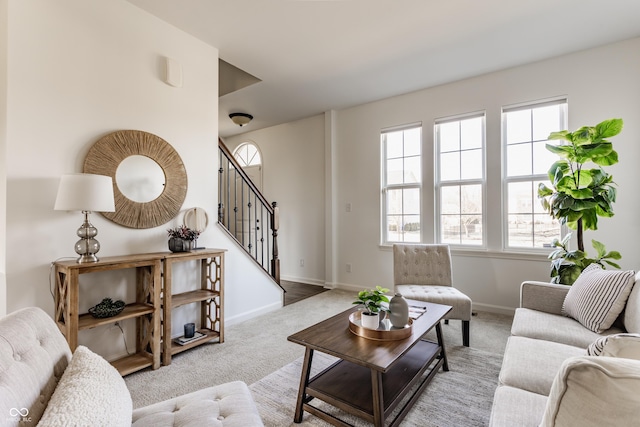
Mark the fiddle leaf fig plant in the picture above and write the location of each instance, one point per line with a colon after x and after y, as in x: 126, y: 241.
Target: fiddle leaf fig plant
x: 579, y: 194
x: 372, y: 299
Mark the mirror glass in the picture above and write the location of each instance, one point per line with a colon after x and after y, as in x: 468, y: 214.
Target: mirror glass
x: 140, y: 178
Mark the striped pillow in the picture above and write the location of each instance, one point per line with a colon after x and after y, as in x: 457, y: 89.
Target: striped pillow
x: 616, y: 345
x: 598, y: 297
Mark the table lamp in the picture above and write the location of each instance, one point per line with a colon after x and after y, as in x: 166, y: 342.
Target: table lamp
x: 86, y: 193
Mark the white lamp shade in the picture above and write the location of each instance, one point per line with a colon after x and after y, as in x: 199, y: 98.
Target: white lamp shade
x: 85, y: 192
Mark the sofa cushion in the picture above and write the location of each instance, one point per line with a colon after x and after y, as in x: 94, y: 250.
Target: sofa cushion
x: 515, y: 407
x: 225, y: 405
x: 632, y: 310
x: 440, y: 295
x: 598, y: 297
x: 531, y: 364
x: 33, y: 357
x: 553, y: 327
x: 618, y: 345
x: 91, y: 392
x: 597, y: 391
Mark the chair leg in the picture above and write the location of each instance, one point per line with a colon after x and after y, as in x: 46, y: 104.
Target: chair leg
x: 465, y: 333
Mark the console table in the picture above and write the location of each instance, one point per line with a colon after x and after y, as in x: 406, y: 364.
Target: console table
x: 209, y: 294
x: 153, y: 305
x: 146, y: 308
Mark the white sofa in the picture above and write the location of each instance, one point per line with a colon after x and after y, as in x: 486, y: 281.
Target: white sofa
x: 547, y: 378
x: 42, y: 383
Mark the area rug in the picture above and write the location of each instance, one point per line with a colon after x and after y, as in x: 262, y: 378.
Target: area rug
x: 460, y: 397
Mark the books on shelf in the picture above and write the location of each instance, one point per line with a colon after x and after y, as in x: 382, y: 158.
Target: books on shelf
x: 182, y: 340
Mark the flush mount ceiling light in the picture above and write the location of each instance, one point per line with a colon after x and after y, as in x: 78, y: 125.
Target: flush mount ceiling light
x: 240, y: 119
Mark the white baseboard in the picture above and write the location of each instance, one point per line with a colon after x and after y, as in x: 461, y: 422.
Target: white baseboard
x: 239, y: 318
x: 493, y: 308
x: 306, y: 281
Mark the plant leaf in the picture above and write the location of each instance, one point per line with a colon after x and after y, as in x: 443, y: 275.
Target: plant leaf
x: 609, y: 128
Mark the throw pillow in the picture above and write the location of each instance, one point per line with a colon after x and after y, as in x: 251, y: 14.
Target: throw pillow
x: 617, y: 345
x: 91, y: 392
x: 598, y: 297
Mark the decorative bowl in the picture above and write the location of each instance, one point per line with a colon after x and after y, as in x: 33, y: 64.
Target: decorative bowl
x: 107, y: 308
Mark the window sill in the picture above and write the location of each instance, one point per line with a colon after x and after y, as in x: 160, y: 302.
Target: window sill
x: 486, y: 253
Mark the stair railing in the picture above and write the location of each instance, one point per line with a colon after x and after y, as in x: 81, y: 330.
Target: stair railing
x: 246, y: 215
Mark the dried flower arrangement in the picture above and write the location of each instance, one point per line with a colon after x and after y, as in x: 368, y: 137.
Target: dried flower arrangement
x: 183, y: 232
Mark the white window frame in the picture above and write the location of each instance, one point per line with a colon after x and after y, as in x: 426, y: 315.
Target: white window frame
x: 460, y: 182
x: 384, y: 238
x: 506, y: 179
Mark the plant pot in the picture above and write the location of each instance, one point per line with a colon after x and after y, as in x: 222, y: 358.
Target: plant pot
x: 177, y: 244
x: 370, y: 320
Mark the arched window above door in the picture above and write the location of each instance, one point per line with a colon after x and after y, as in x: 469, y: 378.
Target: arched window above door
x: 247, y: 154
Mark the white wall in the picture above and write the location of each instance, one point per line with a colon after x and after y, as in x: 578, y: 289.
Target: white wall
x: 293, y: 176
x: 600, y: 83
x: 78, y: 70
x: 3, y: 146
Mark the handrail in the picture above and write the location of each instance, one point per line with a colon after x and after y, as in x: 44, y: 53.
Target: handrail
x: 252, y: 213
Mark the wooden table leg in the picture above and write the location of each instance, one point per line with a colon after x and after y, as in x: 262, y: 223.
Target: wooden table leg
x: 304, y: 382
x: 443, y: 353
x: 378, y: 398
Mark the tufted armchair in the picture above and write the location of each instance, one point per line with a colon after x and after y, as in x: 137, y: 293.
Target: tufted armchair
x: 423, y: 273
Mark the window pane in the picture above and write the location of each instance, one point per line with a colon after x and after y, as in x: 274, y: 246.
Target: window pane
x: 471, y: 164
x: 542, y: 158
x: 449, y: 136
x: 471, y: 133
x: 537, y: 204
x: 394, y: 202
x: 394, y: 228
x: 518, y: 126
x: 450, y: 200
x: 394, y: 171
x: 411, y: 228
x: 412, y: 142
x: 545, y: 229
x: 520, y: 231
x: 394, y: 144
x: 520, y: 197
x: 411, y: 201
x: 471, y: 199
x: 519, y: 160
x: 412, y: 170
x: 546, y: 120
x: 450, y: 229
x: 471, y: 230
x: 450, y: 166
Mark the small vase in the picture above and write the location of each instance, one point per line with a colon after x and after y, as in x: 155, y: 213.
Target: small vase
x: 399, y: 308
x: 370, y: 320
x: 177, y: 244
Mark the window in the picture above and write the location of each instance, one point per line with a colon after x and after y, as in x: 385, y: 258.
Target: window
x: 525, y: 130
x: 247, y: 154
x: 402, y: 179
x: 460, y: 181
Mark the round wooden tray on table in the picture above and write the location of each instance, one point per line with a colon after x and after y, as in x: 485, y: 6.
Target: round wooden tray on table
x: 385, y: 331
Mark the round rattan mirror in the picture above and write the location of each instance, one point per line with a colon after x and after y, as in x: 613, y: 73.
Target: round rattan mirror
x: 108, y: 152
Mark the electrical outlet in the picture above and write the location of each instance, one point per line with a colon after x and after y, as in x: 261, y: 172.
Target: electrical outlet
x: 301, y: 262
x: 348, y: 267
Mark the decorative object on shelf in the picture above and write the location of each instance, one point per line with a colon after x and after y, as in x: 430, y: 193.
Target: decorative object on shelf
x: 107, y: 308
x: 86, y: 193
x: 398, y: 311
x: 182, y: 238
x: 372, y: 301
x: 196, y: 219
x: 241, y: 119
x: 189, y: 330
x: 578, y: 196
x: 106, y: 156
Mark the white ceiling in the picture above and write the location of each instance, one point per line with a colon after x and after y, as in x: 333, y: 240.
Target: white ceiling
x: 316, y: 55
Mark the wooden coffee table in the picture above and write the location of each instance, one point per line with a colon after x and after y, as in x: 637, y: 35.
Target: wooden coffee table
x: 372, y: 377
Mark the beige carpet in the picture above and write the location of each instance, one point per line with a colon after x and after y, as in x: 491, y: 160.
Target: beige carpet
x: 258, y: 347
x: 460, y: 397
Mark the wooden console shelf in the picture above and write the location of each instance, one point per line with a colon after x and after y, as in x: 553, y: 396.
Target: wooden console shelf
x: 154, y: 301
x: 209, y: 294
x: 145, y: 310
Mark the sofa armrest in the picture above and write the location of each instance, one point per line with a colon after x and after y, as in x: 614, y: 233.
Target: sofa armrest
x: 543, y: 296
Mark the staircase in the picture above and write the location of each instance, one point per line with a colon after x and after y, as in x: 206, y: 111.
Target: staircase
x: 246, y: 214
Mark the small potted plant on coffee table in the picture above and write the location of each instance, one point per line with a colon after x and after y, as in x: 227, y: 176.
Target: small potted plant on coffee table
x: 372, y: 301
